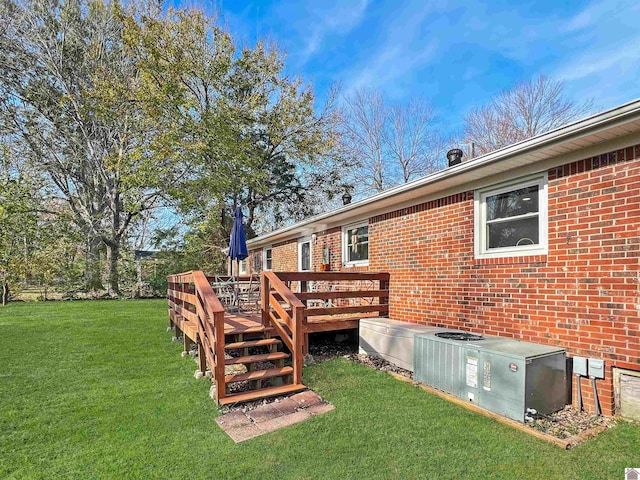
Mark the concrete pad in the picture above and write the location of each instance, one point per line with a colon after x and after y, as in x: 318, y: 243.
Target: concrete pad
x: 233, y: 419
x: 306, y: 398
x: 241, y: 426
x: 283, y: 421
x: 287, y: 406
x: 319, y: 408
x: 264, y: 413
x: 245, y: 432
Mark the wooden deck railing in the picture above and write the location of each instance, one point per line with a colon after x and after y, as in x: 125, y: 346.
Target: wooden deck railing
x: 337, y: 300
x: 285, y: 319
x: 191, y: 298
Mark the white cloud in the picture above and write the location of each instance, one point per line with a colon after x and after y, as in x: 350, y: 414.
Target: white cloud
x: 391, y: 64
x: 600, y: 11
x: 398, y: 54
x: 341, y: 19
x: 609, y: 61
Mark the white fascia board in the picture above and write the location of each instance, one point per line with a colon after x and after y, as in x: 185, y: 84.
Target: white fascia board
x: 527, y: 152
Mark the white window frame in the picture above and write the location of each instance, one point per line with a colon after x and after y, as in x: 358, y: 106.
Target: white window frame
x: 300, y: 242
x: 480, y: 215
x: 345, y: 248
x: 264, y: 258
x: 242, y: 266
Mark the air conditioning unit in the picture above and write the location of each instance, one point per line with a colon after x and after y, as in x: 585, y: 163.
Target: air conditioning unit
x: 503, y: 375
x: 391, y: 339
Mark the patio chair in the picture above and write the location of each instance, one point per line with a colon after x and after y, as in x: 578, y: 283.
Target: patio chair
x: 249, y: 295
x: 320, y: 286
x: 225, y: 291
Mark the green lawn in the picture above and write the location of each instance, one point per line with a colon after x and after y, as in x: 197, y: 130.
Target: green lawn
x: 98, y: 390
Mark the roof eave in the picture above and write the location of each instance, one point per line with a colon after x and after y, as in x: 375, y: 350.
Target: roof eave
x: 355, y: 211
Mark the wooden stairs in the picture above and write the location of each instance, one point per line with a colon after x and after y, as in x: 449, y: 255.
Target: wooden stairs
x: 257, y: 375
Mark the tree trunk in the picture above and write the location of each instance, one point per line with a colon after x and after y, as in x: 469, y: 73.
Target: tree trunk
x: 92, y: 269
x: 5, y: 293
x: 113, y: 255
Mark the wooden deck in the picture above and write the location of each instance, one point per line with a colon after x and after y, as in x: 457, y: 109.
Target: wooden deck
x: 240, y: 323
x: 286, y: 318
x: 234, y: 324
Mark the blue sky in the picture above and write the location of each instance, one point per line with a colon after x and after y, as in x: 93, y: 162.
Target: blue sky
x: 456, y: 55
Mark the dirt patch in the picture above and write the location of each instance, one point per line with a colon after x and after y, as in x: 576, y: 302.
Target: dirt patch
x: 325, y: 346
x: 379, y: 364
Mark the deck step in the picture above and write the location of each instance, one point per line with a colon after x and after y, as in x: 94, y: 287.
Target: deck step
x: 262, y: 393
x: 234, y: 330
x: 264, y: 342
x: 256, y: 358
x: 259, y: 374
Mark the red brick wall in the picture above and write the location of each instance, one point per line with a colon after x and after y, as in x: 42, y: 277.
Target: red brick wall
x: 583, y: 296
x: 328, y: 239
x: 285, y: 256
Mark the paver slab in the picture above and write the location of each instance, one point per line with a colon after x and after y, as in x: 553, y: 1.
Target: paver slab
x: 241, y: 426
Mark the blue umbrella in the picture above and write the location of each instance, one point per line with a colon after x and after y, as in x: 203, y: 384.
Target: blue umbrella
x: 238, y: 242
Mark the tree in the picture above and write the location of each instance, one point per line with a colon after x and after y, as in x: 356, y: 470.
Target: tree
x: 249, y: 133
x: 389, y: 144
x: 364, y: 125
x: 413, y: 140
x: 524, y: 111
x: 68, y: 90
x: 19, y: 223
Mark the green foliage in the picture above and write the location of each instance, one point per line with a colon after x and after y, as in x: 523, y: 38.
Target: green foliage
x: 20, y: 224
x: 247, y: 133
x: 123, y: 109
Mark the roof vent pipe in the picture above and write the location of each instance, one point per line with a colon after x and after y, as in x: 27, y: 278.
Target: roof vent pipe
x: 472, y: 150
x: 454, y: 156
x: 346, y: 198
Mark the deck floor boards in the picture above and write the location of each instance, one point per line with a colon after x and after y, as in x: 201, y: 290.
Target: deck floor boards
x: 236, y: 323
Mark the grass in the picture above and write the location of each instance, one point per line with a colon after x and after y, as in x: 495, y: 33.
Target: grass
x: 97, y: 390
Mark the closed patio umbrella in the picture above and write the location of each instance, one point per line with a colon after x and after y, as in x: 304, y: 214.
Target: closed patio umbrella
x: 238, y: 242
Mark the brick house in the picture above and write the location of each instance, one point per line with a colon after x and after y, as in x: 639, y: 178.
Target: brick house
x: 538, y: 241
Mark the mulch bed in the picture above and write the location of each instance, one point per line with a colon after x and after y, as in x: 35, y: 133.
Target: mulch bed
x: 569, y: 422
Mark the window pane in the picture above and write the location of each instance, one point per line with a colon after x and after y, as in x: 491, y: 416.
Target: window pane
x: 358, y: 243
x: 268, y: 260
x: 510, y: 204
x: 513, y: 233
x: 361, y: 252
x: 305, y: 261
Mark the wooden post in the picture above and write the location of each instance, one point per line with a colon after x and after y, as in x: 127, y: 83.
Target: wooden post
x: 264, y: 299
x: 169, y: 300
x: 298, y: 336
x: 384, y: 285
x: 303, y: 289
x: 218, y: 369
x: 202, y: 358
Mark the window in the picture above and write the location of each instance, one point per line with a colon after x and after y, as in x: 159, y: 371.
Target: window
x: 304, y: 254
x: 268, y: 258
x: 256, y: 262
x: 355, y: 244
x: 242, y: 267
x: 512, y: 219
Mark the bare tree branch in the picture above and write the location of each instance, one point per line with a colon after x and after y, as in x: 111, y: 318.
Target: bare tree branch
x: 528, y: 109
